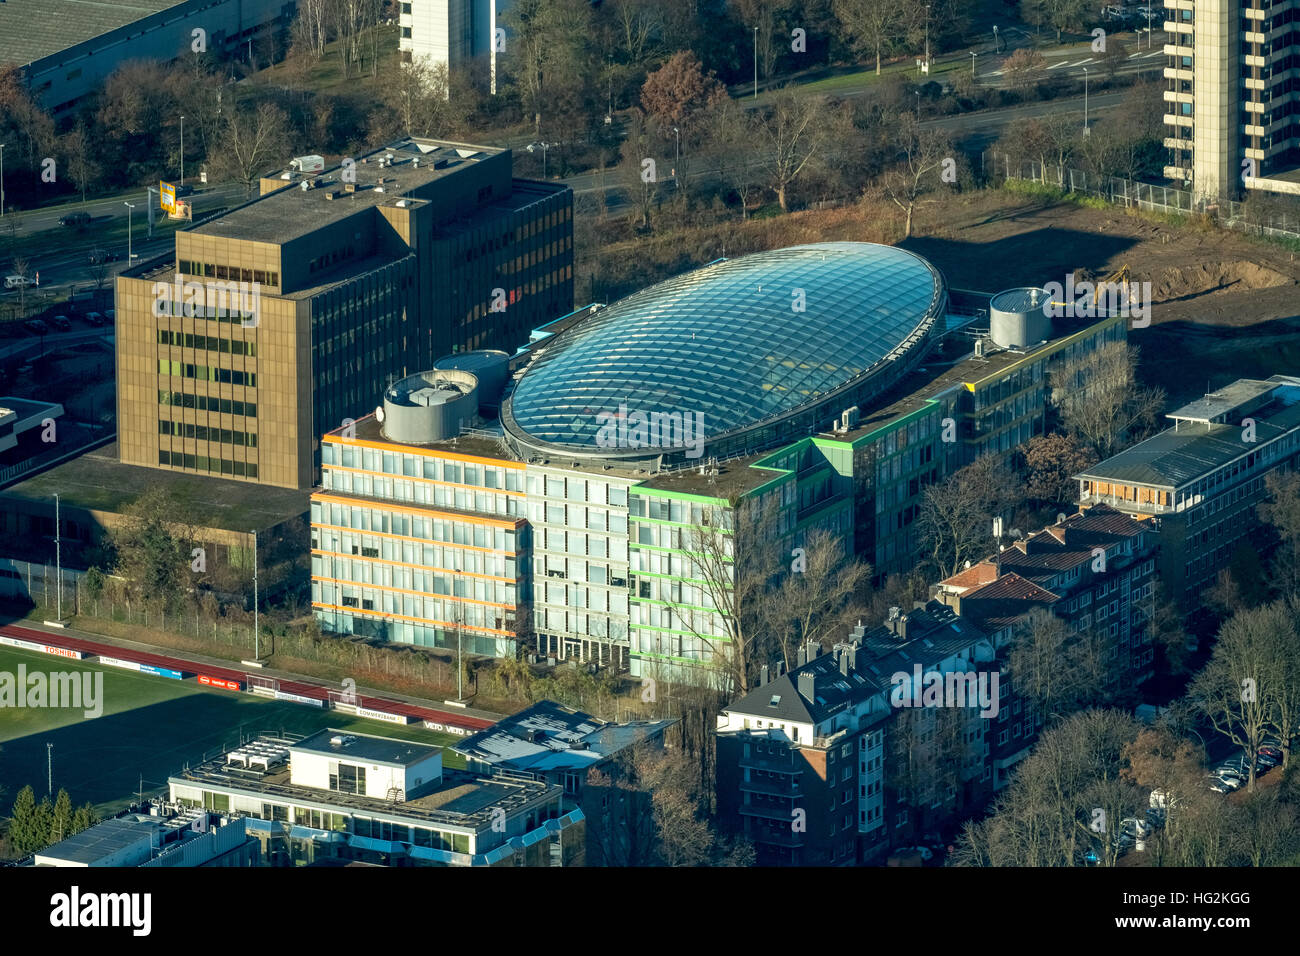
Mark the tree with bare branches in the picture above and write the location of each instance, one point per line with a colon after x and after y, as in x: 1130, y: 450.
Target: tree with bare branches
x: 793, y: 134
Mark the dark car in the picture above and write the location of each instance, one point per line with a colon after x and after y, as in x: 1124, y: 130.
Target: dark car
x: 94, y: 318
x: 184, y: 191
x: 62, y: 323
x: 98, y: 256
x: 36, y: 326
x: 74, y: 219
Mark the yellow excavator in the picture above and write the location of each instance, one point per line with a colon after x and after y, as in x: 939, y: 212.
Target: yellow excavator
x: 1119, y: 276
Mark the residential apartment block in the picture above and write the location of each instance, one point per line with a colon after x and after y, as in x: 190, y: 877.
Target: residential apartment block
x: 1230, y: 100
x: 1096, y: 571
x: 1203, y: 478
x: 828, y: 765
x: 287, y: 315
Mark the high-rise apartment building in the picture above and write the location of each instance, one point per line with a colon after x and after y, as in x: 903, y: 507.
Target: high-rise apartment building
x: 451, y: 32
x: 1231, y: 99
x: 277, y: 321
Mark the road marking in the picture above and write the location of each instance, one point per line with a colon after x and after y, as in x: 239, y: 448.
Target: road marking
x: 1155, y: 53
x: 1056, y: 65
x: 1082, y: 62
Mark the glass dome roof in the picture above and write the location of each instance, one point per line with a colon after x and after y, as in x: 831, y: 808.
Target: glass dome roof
x: 729, y: 342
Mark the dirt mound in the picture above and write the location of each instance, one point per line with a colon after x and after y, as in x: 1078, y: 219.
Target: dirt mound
x: 1182, y: 283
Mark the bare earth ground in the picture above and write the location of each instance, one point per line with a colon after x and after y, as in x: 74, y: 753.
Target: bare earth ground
x: 1225, y: 306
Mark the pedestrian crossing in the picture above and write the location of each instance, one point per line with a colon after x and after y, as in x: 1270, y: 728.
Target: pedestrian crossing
x: 1067, y: 64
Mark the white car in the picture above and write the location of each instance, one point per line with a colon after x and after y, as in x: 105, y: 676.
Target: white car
x: 17, y: 282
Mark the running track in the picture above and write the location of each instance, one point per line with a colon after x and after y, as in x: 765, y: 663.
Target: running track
x: 305, y: 689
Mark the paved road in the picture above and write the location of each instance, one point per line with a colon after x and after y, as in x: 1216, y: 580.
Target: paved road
x: 106, y: 210
x: 37, y: 345
x: 288, y: 683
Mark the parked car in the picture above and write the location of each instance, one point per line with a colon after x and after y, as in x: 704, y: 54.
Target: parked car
x: 1268, y: 760
x: 1270, y: 751
x: 74, y: 219
x: 94, y: 318
x: 36, y: 326
x: 62, y: 323
x: 1219, y: 785
x: 17, y: 282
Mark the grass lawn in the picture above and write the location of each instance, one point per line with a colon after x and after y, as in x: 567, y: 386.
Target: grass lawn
x: 150, y: 727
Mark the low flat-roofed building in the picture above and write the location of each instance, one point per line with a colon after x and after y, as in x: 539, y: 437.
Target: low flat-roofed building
x: 194, y: 838
x: 1203, y: 478
x: 554, y: 743
x: 321, y: 803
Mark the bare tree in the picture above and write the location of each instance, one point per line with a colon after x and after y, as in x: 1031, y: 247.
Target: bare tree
x: 921, y: 156
x: 955, y: 523
x: 1098, y: 398
x: 874, y: 26
x: 813, y: 600
x: 793, y: 133
x: 1240, y: 686
x: 1282, y: 511
x: 253, y: 137
x: 731, y: 128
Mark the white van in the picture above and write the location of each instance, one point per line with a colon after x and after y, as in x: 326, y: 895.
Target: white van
x: 17, y: 282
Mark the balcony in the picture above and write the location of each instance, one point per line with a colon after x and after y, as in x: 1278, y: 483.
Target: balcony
x: 783, y: 815
x: 770, y: 787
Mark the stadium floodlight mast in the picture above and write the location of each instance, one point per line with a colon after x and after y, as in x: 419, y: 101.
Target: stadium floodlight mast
x: 58, y: 558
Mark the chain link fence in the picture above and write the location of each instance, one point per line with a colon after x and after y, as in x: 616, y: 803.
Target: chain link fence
x: 1273, y: 223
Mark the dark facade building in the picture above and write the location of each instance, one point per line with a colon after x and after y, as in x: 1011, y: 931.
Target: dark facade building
x: 829, y: 765
x: 283, y: 318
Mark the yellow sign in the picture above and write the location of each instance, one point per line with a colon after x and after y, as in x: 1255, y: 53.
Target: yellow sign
x: 167, y: 195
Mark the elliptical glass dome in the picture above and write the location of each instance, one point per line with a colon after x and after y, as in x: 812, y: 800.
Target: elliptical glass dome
x: 754, y: 349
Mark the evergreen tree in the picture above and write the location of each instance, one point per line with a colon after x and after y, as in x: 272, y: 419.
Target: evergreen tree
x: 21, y: 821
x: 61, y: 824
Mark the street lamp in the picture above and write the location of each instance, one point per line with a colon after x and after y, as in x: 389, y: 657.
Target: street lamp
x: 918, y: 105
x: 972, y: 64
x: 755, y: 62
x: 1085, y: 101
x: 996, y: 48
x: 182, y: 150
x: 1148, y: 26
x: 129, y: 207
x: 678, y: 134
x: 927, y: 38
x: 257, y: 633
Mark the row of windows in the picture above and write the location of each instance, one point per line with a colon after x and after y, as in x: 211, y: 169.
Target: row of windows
x: 216, y: 466
x: 208, y: 403
x: 208, y: 343
x: 192, y: 310
x: 211, y: 270
x: 330, y: 258
x: 227, y: 436
x: 208, y: 373
x: 415, y: 526
x: 422, y: 466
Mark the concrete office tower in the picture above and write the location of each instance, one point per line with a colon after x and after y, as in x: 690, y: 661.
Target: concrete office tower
x: 359, y: 275
x: 1230, y: 110
x: 450, y: 31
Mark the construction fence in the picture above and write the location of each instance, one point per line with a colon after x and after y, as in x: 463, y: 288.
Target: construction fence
x: 999, y: 167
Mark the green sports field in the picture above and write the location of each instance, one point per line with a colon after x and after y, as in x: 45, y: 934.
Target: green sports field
x: 150, y: 727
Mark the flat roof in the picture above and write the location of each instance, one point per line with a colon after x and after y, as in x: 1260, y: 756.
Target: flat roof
x: 463, y: 800
x: 98, y: 481
x: 289, y: 213
x: 103, y: 839
x: 33, y: 29
x: 1186, y: 452
x: 366, y: 748
x: 1222, y: 401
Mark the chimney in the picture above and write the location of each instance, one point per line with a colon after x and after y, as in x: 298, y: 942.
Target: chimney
x: 846, y: 660
x: 780, y: 668
x: 803, y: 655
x: 814, y: 650
x: 762, y: 677
x: 808, y: 686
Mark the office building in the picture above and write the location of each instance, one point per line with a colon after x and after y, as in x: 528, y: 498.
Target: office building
x: 1203, y: 478
x: 341, y: 795
x: 566, y: 496
x: 282, y: 318
x: 451, y: 32
x: 1230, y: 100
x: 162, y: 837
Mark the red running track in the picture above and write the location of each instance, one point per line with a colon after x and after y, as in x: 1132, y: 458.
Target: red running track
x: 314, y: 691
